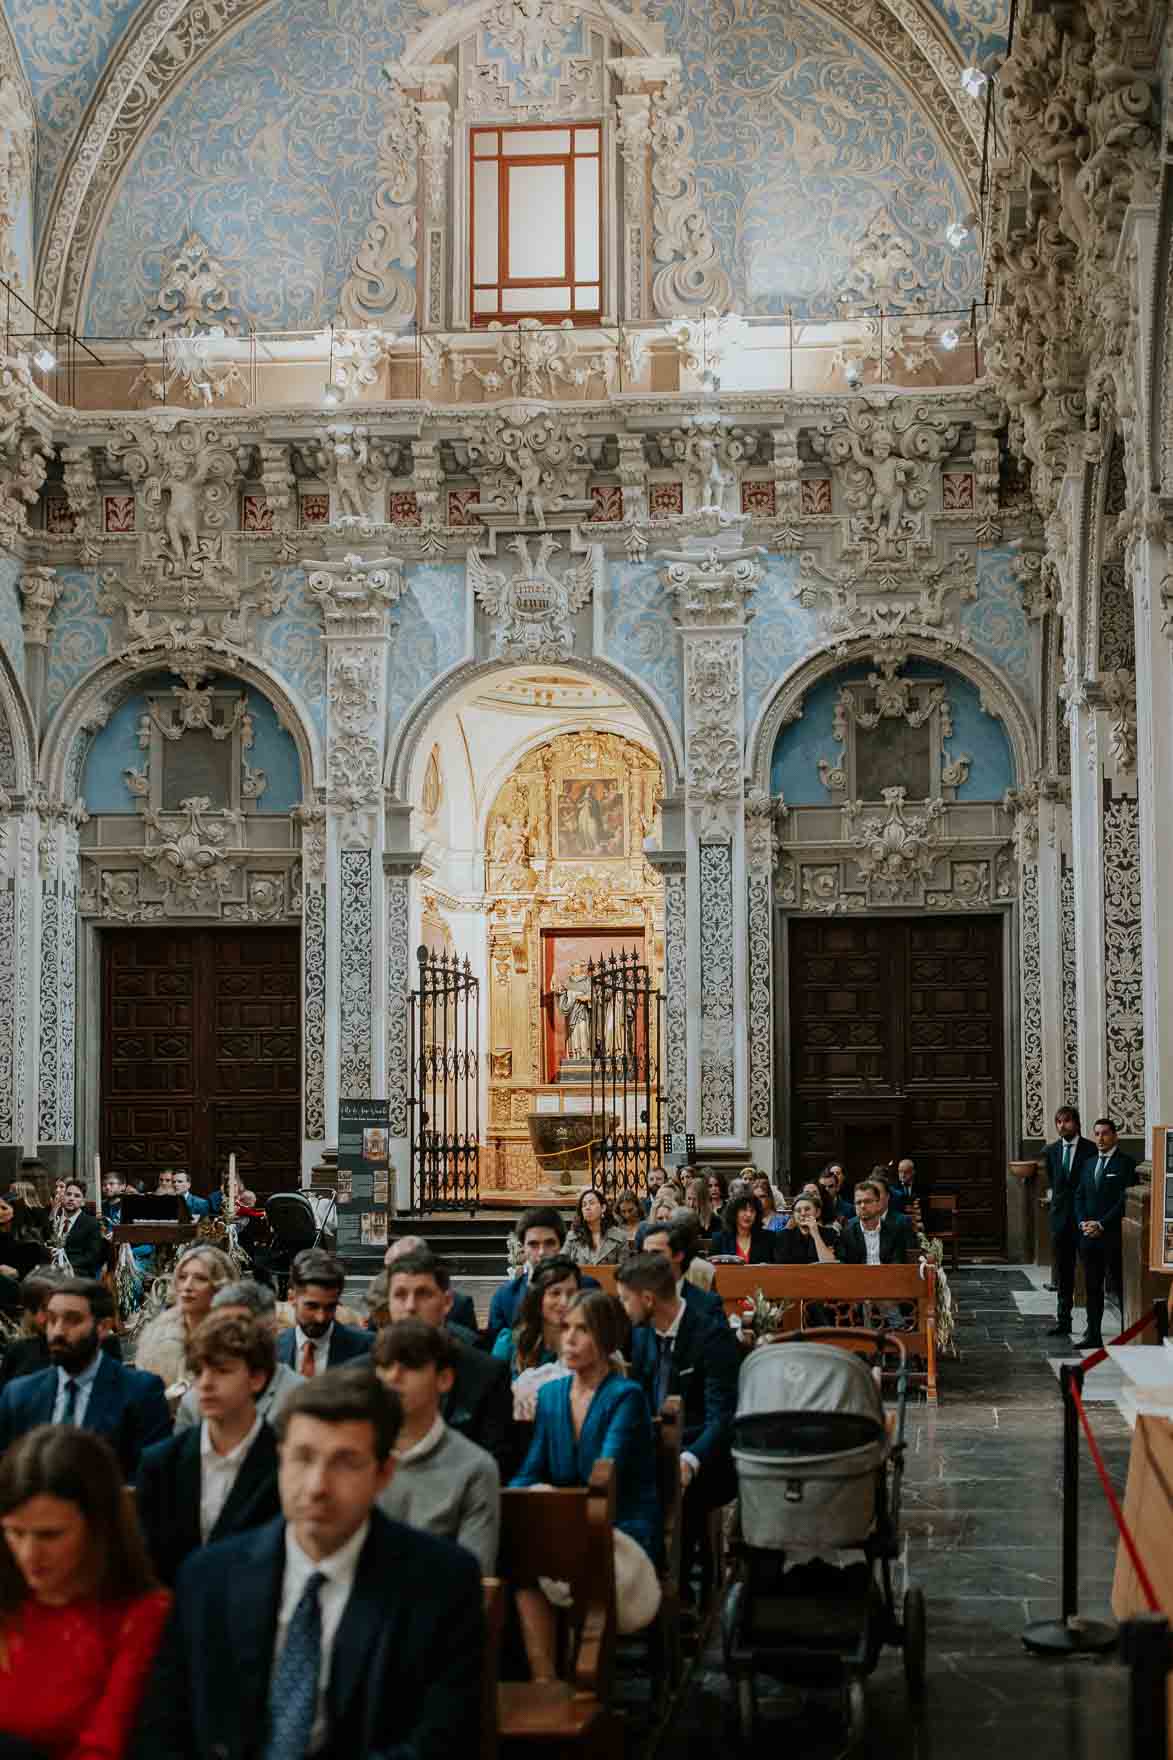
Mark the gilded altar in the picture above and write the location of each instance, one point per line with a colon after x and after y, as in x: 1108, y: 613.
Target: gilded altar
x: 567, y: 883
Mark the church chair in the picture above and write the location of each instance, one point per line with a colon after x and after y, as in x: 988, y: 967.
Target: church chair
x: 566, y: 1536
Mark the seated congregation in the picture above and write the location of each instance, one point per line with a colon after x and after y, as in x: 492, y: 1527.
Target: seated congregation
x: 320, y: 1508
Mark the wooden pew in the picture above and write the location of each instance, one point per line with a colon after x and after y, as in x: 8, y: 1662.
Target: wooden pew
x: 606, y: 1276
x: 493, y: 1599
x: 666, y: 1657
x: 846, y: 1288
x: 565, y: 1535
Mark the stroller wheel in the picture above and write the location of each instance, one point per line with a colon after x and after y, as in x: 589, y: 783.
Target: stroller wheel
x: 747, y: 1708
x: 915, y: 1641
x: 855, y: 1713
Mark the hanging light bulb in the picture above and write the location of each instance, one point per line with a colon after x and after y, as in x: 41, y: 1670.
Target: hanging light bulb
x: 331, y: 396
x: 950, y: 339
x: 853, y: 372
x: 956, y: 234
x: 974, y: 81
x: 45, y: 359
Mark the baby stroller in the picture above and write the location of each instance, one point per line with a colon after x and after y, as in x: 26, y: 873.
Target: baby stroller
x: 819, y: 1478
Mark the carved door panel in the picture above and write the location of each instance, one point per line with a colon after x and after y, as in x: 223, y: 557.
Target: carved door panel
x: 896, y: 1048
x: 201, y: 1054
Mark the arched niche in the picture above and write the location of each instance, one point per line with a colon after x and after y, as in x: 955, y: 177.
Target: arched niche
x: 997, y: 699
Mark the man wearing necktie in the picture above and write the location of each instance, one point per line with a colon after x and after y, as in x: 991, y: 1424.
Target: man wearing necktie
x: 332, y: 1633
x: 1099, y: 1212
x: 1066, y: 1159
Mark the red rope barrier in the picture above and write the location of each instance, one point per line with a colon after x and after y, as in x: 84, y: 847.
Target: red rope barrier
x: 1145, y: 1581
x: 1095, y: 1358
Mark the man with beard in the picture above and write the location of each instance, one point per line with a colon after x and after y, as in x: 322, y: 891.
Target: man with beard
x: 318, y: 1341
x: 84, y: 1386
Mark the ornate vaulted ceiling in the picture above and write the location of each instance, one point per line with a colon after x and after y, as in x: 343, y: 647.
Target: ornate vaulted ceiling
x: 240, y: 116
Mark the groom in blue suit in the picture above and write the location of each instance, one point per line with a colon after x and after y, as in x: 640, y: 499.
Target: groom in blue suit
x: 84, y: 1386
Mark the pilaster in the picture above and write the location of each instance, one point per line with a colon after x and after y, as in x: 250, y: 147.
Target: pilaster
x: 1087, y: 839
x: 1154, y: 757
x: 712, y: 581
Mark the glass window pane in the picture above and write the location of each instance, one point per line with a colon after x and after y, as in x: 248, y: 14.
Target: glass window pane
x: 535, y: 299
x: 484, y: 263
x: 485, y: 300
x: 530, y: 142
x: 586, y: 140
x: 586, y: 219
x: 537, y: 222
x: 586, y: 299
x: 484, y: 146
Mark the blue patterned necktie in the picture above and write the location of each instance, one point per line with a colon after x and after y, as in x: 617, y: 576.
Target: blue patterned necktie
x: 293, y: 1690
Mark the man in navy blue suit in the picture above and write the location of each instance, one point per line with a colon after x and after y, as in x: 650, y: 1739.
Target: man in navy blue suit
x: 677, y: 1349
x: 84, y: 1386
x: 318, y: 1341
x: 1066, y: 1160
x: 332, y: 1631
x: 675, y: 1241
x: 197, y: 1207
x: 1099, y: 1212
x: 541, y: 1232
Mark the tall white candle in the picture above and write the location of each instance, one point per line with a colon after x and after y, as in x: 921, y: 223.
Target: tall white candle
x: 97, y: 1185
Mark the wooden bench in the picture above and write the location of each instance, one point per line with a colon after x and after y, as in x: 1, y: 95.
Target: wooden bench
x: 567, y: 1536
x: 606, y: 1276
x: 493, y: 1599
x: 840, y: 1291
x: 665, y: 1648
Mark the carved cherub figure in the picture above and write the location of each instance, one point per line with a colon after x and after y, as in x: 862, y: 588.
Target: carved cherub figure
x: 529, y: 485
x: 351, y: 456
x: 181, y: 523
x: 889, y: 473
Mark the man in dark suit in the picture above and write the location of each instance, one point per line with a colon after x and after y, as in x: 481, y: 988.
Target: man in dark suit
x: 197, y: 1207
x: 677, y: 1350
x: 479, y: 1403
x: 331, y: 1631
x: 1100, y: 1198
x: 219, y: 1477
x: 875, y: 1236
x: 318, y: 1341
x: 1066, y: 1160
x: 463, y: 1311
x: 541, y: 1232
x: 675, y: 1241
x: 29, y: 1354
x: 84, y: 1386
x: 84, y: 1246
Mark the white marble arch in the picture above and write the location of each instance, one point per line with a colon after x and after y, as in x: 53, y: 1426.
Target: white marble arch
x: 407, y: 751
x: 90, y: 702
x: 17, y: 716
x: 784, y: 703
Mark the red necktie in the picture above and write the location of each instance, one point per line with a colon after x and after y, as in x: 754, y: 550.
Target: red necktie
x: 309, y: 1363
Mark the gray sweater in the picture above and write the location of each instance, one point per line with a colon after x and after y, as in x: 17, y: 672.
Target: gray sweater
x: 451, y: 1487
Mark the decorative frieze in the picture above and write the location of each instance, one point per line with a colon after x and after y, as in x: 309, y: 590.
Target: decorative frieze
x: 717, y: 958
x: 1030, y: 1002
x: 1124, y: 965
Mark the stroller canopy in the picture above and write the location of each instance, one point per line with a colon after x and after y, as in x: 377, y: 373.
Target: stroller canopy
x: 806, y: 1399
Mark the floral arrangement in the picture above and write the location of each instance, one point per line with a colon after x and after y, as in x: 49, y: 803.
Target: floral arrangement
x: 933, y: 1253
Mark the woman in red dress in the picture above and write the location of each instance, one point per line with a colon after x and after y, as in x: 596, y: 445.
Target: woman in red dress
x: 80, y: 1613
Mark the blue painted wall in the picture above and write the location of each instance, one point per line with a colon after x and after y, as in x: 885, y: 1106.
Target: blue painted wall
x: 638, y: 631
x: 431, y: 618
x: 799, y: 746
x: 115, y: 748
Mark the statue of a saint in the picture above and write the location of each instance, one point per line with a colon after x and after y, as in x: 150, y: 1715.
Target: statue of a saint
x: 574, y: 1002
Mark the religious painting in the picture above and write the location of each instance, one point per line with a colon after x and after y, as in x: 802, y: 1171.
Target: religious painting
x: 590, y: 817
x: 566, y: 993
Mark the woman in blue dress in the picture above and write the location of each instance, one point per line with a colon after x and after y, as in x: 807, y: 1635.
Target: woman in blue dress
x: 537, y: 1338
x: 595, y: 1414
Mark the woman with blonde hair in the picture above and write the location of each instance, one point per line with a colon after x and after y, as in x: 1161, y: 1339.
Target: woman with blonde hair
x: 161, y: 1348
x: 81, y: 1614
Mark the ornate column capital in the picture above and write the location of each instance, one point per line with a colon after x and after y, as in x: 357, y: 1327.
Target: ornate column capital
x: 40, y: 590
x: 355, y: 595
x: 713, y: 581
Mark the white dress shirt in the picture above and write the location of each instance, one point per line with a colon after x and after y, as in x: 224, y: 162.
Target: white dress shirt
x: 85, y: 1379
x: 218, y: 1474
x: 338, y: 1570
x: 670, y: 1332
x: 321, y: 1350
x: 871, y: 1241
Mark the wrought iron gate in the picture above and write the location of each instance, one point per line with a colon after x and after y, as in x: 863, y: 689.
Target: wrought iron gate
x: 445, y: 1097
x: 626, y: 1035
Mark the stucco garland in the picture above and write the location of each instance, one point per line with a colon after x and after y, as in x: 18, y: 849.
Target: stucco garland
x: 170, y: 37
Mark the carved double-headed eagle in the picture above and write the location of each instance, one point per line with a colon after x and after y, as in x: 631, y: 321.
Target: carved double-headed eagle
x: 532, y: 606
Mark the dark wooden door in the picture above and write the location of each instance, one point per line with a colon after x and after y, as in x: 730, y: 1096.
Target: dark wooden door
x: 896, y: 1048
x: 201, y: 1054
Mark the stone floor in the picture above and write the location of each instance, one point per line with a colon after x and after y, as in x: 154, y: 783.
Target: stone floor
x: 981, y: 1526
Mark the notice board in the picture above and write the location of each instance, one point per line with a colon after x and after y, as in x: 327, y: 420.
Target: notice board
x: 364, y: 1146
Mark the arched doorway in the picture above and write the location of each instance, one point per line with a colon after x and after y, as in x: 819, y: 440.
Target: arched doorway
x: 534, y: 791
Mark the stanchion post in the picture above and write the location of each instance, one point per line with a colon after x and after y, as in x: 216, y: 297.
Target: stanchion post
x: 1161, y: 1319
x: 1144, y: 1650
x: 1069, y: 1635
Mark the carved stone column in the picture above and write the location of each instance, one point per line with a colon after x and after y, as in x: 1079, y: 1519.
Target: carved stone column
x: 670, y: 862
x: 1039, y: 822
x: 433, y: 111
x: 40, y: 590
x: 1153, y: 602
x: 54, y: 957
x: 712, y: 581
x: 761, y: 849
x: 634, y: 108
x: 355, y: 596
x: 1087, y: 839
